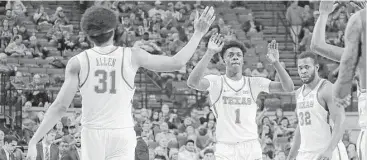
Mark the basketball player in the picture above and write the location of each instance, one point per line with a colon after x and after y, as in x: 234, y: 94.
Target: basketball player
x: 355, y: 45
x: 105, y: 75
x: 233, y: 98
x: 313, y: 136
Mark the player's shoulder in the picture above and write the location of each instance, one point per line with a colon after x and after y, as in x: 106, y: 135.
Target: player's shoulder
x: 325, y: 87
x: 258, y: 80
x: 212, y: 76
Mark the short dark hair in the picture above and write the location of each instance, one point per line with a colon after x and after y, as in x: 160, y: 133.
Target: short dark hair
x: 308, y: 54
x: 160, y: 157
x: 190, y: 140
x: 208, y: 151
x: 98, y: 23
x: 10, y: 138
x: 231, y: 44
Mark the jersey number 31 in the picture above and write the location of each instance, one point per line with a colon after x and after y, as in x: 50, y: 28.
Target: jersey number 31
x: 105, y: 78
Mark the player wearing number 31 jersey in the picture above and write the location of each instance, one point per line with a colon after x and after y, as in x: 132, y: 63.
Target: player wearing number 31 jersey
x: 314, y: 137
x: 233, y: 98
x: 105, y: 76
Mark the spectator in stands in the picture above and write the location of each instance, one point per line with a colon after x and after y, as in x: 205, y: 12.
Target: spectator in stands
x: 260, y: 71
x: 352, y: 151
x: 294, y: 17
x: 306, y: 40
x: 63, y: 149
x: 152, y: 12
x: 12, y: 20
x: 188, y: 152
x: 17, y: 7
x: 148, y: 45
x: 141, y: 149
x: 179, y: 41
x: 252, y: 26
x: 14, y: 33
x: 74, y: 152
x: 209, y: 154
x: 10, y: 143
x: 163, y: 148
x: 307, y: 16
x: 6, y: 34
x: 60, y: 16
x: 173, y: 154
x: 46, y: 149
x: 341, y: 22
x: 165, y: 133
x: 280, y: 155
x: 316, y: 15
x: 17, y: 48
x: 41, y: 17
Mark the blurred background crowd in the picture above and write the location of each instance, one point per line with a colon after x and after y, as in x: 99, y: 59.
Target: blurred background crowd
x: 172, y: 121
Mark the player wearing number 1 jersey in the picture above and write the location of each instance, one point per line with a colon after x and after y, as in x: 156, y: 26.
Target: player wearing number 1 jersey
x: 105, y: 76
x: 314, y: 136
x: 233, y: 98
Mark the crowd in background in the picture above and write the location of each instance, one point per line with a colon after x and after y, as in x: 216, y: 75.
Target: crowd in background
x: 161, y: 29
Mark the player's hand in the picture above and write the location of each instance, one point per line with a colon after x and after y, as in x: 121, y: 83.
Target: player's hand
x: 273, y: 53
x: 327, y: 6
x: 342, y: 102
x: 216, y: 43
x: 32, y: 152
x: 358, y: 5
x: 204, y: 21
x: 327, y: 155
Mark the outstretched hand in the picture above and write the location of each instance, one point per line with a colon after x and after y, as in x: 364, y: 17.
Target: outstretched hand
x: 273, y: 52
x: 204, y: 21
x: 216, y: 43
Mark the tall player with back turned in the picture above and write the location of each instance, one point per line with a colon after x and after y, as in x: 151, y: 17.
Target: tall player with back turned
x: 105, y: 76
x: 352, y: 60
x: 314, y: 136
x: 233, y: 98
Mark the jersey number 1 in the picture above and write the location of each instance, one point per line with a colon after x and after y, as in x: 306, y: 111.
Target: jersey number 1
x: 103, y: 80
x: 238, y: 114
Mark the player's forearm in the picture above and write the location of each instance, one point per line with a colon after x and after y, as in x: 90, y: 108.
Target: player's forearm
x: 198, y: 72
x: 285, y: 79
x: 342, y: 86
x: 296, y: 144
x: 52, y: 116
x: 318, y: 43
x: 338, y: 131
x: 185, y: 54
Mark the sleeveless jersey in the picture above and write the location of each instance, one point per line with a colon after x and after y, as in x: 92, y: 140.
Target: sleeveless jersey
x: 106, y: 95
x: 362, y: 108
x: 312, y: 121
x: 235, y: 112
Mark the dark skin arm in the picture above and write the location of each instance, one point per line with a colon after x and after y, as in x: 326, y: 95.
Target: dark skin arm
x: 349, y: 59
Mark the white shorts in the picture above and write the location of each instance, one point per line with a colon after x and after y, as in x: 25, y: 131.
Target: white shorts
x: 340, y: 153
x: 362, y: 145
x: 108, y: 144
x: 250, y: 150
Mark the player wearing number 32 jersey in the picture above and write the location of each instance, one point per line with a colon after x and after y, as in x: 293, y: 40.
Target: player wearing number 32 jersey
x: 233, y: 98
x: 105, y: 76
x: 314, y: 137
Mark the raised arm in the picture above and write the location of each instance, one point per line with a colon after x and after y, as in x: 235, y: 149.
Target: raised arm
x: 337, y: 114
x: 296, y: 144
x: 196, y: 79
x: 286, y: 83
x: 161, y: 63
x: 349, y: 60
x: 59, y: 107
x: 318, y: 43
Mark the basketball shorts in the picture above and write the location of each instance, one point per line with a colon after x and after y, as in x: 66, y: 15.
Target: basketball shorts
x: 249, y: 150
x: 362, y: 145
x: 340, y: 153
x: 108, y: 144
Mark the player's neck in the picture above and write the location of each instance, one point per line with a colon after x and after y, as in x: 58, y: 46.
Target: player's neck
x: 314, y: 83
x: 234, y: 75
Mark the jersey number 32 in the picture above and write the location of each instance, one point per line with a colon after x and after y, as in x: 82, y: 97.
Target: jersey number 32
x: 106, y: 83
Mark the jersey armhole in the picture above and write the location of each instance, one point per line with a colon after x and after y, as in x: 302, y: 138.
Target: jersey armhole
x: 249, y: 86
x: 124, y: 49
x: 81, y: 83
x: 317, y: 94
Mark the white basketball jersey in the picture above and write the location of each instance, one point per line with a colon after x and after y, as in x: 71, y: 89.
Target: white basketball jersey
x: 362, y: 109
x: 235, y: 112
x: 312, y: 121
x: 106, y: 95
